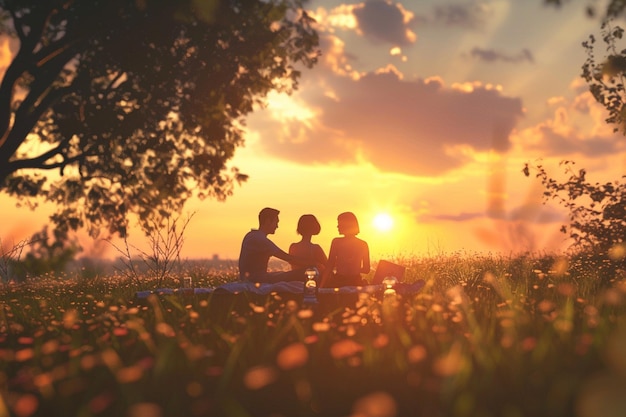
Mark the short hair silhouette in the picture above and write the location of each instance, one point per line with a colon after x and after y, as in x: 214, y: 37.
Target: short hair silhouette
x: 267, y: 214
x: 350, y: 222
x: 308, y: 225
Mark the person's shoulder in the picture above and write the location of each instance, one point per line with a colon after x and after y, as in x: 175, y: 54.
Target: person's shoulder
x: 335, y: 243
x: 318, y: 247
x: 256, y: 236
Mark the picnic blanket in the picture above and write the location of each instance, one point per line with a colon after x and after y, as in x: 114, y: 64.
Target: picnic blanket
x: 293, y: 287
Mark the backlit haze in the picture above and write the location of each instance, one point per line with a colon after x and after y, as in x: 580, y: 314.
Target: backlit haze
x: 424, y: 111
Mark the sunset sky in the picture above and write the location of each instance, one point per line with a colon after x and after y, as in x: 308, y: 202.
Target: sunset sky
x: 423, y: 110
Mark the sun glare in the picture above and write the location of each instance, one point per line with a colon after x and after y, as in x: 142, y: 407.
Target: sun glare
x: 383, y: 222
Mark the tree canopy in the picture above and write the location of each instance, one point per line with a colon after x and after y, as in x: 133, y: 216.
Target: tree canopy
x: 597, y: 212
x: 111, y: 107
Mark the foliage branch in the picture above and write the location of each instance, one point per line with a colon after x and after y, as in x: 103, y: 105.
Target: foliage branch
x: 597, y: 212
x: 606, y: 78
x: 113, y: 107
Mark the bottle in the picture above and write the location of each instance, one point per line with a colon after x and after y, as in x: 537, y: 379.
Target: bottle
x: 310, y: 286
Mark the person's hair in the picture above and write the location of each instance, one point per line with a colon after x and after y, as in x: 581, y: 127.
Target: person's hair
x: 267, y: 214
x: 350, y: 222
x: 308, y: 225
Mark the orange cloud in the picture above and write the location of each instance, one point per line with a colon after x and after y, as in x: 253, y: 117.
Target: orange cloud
x: 397, y: 125
x: 383, y: 21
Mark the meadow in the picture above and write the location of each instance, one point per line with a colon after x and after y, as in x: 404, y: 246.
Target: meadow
x: 488, y: 335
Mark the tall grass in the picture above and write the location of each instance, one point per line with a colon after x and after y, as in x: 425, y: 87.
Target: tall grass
x: 487, y: 336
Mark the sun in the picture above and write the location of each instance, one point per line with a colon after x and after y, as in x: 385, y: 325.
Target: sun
x: 383, y: 222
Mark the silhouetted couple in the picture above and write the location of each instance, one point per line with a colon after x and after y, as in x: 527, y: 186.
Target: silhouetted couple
x: 347, y: 260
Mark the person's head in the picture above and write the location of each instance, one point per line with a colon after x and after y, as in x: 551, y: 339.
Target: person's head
x: 268, y: 220
x: 347, y: 224
x: 308, y: 225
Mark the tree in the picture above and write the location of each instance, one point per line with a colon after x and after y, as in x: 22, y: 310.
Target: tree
x: 597, y: 212
x: 112, y: 107
x: 46, y: 255
x: 606, y: 78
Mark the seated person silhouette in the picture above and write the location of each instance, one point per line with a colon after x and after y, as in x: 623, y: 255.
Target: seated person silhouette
x: 256, y: 250
x: 349, y: 256
x: 311, y: 253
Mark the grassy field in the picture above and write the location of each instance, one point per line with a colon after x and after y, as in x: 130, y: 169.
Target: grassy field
x: 487, y: 336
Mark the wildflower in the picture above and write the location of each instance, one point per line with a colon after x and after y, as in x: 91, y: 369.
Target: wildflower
x: 293, y: 356
x: 345, y: 348
x: 259, y: 377
x: 376, y: 404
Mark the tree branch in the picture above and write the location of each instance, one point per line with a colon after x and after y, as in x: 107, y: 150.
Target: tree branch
x: 24, y: 123
x: 22, y: 60
x: 39, y: 99
x: 39, y: 162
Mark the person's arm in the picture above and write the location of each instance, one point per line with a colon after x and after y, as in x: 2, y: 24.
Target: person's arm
x: 320, y: 259
x: 365, y: 266
x: 292, y: 259
x: 330, y: 264
x: 277, y: 252
x: 292, y: 252
x: 320, y: 256
x: 281, y: 254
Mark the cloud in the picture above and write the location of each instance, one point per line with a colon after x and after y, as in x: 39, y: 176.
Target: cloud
x: 578, y: 127
x: 456, y: 217
x: 469, y: 16
x: 417, y: 127
x: 378, y: 20
x: 385, y: 21
x: 553, y: 143
x: 335, y: 57
x: 491, y: 55
x: 522, y: 228
x: 389, y: 22
x: 341, y: 17
x: 533, y: 213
